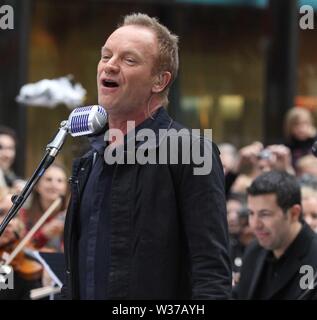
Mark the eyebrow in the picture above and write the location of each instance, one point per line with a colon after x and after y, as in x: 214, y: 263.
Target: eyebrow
x: 260, y: 211
x: 102, y: 50
x: 265, y: 211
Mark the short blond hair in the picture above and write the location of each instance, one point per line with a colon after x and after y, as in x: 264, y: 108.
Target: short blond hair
x: 308, y: 192
x: 168, y: 59
x: 293, y: 116
x: 307, y: 161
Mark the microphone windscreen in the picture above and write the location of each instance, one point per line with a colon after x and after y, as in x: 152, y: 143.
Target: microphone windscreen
x: 87, y: 120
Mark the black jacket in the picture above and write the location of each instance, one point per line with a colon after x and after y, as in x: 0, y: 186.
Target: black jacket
x: 169, y: 237
x: 288, y: 286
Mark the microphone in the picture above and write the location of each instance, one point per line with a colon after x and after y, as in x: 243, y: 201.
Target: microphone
x: 82, y: 121
x: 87, y: 120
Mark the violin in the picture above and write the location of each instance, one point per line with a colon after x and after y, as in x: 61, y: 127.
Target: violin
x: 27, y: 268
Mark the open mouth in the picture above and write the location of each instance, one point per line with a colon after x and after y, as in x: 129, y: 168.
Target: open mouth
x: 110, y: 84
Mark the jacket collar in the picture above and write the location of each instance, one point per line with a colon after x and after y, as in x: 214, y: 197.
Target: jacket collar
x: 257, y: 273
x: 159, y: 120
x: 98, y: 143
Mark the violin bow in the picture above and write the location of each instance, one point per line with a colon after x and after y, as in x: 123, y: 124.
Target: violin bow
x: 8, y: 259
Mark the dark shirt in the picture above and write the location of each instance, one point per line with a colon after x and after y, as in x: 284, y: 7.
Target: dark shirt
x: 94, y: 251
x: 273, y: 269
x: 94, y: 227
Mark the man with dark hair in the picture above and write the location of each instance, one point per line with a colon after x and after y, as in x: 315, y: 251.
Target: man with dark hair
x: 272, y: 265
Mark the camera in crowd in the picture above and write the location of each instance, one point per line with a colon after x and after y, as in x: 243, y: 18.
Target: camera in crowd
x: 265, y: 154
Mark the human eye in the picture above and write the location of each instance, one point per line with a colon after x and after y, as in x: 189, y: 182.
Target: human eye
x: 105, y: 57
x: 265, y: 214
x: 130, y: 60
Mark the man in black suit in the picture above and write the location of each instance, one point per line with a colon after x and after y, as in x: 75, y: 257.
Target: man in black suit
x: 273, y: 266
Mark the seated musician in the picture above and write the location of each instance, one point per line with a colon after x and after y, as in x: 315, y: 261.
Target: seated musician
x: 8, y: 240
x: 52, y: 185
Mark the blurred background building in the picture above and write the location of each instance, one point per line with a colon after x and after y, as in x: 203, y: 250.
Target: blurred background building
x: 243, y: 63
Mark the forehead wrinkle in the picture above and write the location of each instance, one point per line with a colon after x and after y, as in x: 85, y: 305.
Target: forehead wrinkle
x: 144, y: 42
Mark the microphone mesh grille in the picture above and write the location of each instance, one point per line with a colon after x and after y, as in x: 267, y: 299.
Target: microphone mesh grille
x: 79, y: 123
x: 83, y: 109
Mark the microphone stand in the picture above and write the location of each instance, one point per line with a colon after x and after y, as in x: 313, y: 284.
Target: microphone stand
x: 51, y: 152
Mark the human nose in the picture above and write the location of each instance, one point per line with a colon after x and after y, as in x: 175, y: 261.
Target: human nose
x: 111, y: 66
x: 255, y: 222
x: 61, y: 186
x: 58, y: 185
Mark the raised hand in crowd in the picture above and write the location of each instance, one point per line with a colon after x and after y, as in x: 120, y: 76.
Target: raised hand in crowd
x: 281, y: 158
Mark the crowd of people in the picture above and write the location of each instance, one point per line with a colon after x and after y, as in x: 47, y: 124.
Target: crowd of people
x: 129, y: 229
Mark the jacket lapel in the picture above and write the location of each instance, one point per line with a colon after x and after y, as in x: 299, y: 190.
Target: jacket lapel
x: 80, y: 174
x: 257, y: 273
x: 77, y: 181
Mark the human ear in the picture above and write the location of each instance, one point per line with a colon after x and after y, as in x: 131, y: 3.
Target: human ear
x: 161, y: 81
x: 295, y: 212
